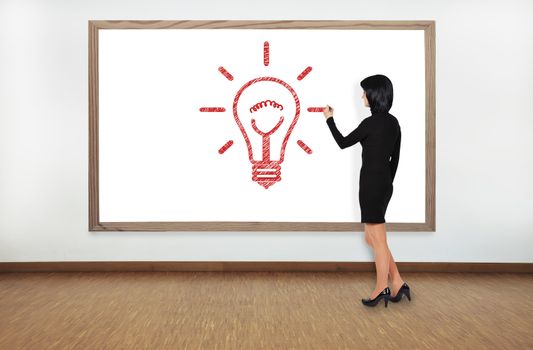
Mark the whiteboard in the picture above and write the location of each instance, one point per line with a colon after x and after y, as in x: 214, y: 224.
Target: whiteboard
x: 171, y: 149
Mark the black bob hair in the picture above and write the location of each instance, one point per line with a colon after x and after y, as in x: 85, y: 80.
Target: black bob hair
x: 378, y: 89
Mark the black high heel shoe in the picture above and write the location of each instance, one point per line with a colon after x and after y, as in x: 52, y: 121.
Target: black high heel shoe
x: 385, y: 294
x: 404, y: 289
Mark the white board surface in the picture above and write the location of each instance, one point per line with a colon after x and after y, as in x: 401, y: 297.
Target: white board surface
x: 159, y: 155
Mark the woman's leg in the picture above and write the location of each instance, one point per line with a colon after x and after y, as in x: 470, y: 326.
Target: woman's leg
x: 396, y: 279
x: 381, y: 256
x: 394, y: 274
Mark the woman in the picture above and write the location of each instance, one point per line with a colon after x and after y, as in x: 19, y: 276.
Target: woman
x: 380, y: 137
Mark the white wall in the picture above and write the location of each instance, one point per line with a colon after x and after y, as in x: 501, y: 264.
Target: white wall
x: 484, y: 135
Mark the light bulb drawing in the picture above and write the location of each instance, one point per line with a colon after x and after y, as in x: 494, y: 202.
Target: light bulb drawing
x: 266, y: 171
x: 265, y: 108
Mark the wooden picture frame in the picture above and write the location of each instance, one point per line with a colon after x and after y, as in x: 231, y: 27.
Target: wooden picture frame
x: 94, y: 221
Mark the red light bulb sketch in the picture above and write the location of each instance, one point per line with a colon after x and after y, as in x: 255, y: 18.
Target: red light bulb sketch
x: 266, y: 171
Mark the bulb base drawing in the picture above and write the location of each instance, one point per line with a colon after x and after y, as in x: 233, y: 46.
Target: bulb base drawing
x: 266, y: 173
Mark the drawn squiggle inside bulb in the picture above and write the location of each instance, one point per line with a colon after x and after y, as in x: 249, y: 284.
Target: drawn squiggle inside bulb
x: 265, y: 103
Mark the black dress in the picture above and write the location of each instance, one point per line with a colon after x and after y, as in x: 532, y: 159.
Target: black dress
x: 380, y: 136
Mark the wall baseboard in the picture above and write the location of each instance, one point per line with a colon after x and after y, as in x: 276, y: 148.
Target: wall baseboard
x: 286, y: 266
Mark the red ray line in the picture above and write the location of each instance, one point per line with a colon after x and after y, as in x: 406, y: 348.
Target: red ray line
x: 315, y: 109
x: 304, y: 147
x: 225, y: 147
x: 212, y: 109
x: 266, y: 53
x: 225, y: 73
x: 305, y: 72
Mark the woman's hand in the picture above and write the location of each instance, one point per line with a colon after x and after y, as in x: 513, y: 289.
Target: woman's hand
x: 328, y: 111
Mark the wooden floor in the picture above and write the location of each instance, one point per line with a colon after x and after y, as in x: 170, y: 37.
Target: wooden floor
x: 262, y: 310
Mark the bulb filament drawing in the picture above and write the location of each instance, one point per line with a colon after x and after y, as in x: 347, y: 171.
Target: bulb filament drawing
x: 265, y: 103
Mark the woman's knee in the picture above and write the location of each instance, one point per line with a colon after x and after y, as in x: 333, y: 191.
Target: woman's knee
x: 377, y: 233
